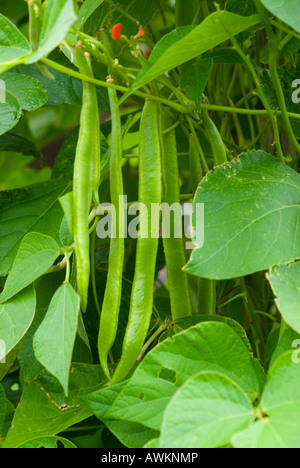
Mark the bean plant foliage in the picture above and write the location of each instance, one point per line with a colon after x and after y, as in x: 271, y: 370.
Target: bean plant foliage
x: 156, y: 340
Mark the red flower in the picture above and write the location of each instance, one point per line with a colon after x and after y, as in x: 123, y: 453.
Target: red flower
x: 141, y: 32
x: 116, y: 32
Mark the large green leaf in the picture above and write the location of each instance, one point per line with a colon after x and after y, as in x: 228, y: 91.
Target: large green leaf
x: 46, y: 287
x: 31, y: 209
x: 285, y: 282
x: 56, y: 335
x: 206, y: 347
x: 187, y: 42
x: 21, y: 93
x: 35, y: 256
x: 280, y: 407
x: 13, y: 45
x: 252, y: 217
x: 205, y: 413
x: 15, y: 319
x: 131, y: 434
x: 286, y: 10
x: 58, y: 18
x: 44, y: 409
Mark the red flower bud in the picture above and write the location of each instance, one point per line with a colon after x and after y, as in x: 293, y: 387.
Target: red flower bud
x: 141, y: 32
x: 116, y: 32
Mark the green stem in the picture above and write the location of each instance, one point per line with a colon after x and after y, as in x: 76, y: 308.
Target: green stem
x: 206, y: 296
x: 158, y: 332
x: 56, y: 66
x: 68, y: 268
x: 93, y: 271
x: 242, y: 111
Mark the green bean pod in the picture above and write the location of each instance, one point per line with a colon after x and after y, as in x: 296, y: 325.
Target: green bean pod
x: 112, y: 297
x: 206, y: 296
x: 195, y: 164
x: 173, y: 244
x: 82, y: 181
x: 96, y: 155
x: 217, y: 145
x: 150, y: 191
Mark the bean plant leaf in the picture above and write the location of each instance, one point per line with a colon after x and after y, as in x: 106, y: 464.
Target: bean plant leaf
x: 67, y: 205
x: 44, y: 409
x: 21, y: 93
x: 192, y: 320
x: 130, y: 434
x: 86, y: 10
x: 195, y: 80
x: 35, y: 256
x: 280, y: 406
x: 285, y: 282
x: 13, y: 45
x: 16, y: 317
x: 187, y: 42
x: 205, y: 412
x: 252, y: 213
x: 27, y: 90
x: 54, y: 340
x: 285, y: 10
x: 65, y: 236
x: 288, y: 339
x: 58, y: 17
x: 31, y: 209
x: 207, y: 346
x: 16, y: 143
